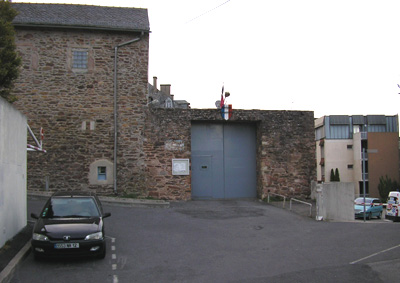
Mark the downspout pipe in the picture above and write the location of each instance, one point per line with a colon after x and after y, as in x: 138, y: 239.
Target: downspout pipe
x: 116, y: 105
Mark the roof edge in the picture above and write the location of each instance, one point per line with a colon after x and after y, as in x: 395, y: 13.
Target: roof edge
x: 80, y: 27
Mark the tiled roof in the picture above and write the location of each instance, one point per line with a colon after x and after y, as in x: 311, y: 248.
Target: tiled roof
x: 81, y: 16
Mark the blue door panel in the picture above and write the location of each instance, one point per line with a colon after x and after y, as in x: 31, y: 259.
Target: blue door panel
x: 223, y: 161
x: 240, y: 161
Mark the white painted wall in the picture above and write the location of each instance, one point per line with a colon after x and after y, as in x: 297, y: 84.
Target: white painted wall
x: 335, y: 201
x: 13, y: 139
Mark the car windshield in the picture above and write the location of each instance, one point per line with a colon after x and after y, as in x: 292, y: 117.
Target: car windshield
x: 392, y: 200
x: 70, y: 207
x: 360, y: 201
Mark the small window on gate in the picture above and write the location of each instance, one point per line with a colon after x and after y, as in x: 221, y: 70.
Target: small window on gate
x: 101, y: 173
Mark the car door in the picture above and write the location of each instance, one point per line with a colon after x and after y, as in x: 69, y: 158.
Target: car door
x: 376, y: 208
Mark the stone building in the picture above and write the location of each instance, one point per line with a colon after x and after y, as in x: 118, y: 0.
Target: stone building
x: 118, y: 140
x: 278, y: 153
x: 67, y: 84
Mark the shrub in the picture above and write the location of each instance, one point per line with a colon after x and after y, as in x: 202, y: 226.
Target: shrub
x: 385, y: 186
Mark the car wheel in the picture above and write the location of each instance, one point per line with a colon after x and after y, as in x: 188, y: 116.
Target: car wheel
x: 37, y: 257
x: 103, y: 253
x: 380, y: 215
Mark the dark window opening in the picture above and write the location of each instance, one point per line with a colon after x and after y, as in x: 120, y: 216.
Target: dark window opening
x: 101, y: 173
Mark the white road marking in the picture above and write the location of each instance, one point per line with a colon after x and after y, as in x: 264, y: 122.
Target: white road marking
x: 114, y: 257
x: 374, y: 254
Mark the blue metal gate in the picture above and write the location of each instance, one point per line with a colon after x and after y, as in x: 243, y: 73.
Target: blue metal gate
x: 223, y: 161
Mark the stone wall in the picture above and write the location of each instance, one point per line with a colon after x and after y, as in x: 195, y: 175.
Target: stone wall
x: 75, y: 107
x: 285, y: 149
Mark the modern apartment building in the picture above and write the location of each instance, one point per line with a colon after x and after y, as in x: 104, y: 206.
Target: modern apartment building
x: 341, y: 141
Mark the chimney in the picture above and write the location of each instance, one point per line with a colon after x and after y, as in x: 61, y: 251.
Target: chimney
x: 155, y: 82
x: 166, y: 89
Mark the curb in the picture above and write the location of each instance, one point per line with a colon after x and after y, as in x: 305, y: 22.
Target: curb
x: 114, y: 200
x: 7, y: 272
x: 135, y: 202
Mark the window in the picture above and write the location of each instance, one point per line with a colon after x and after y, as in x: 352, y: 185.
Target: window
x: 361, y: 188
x: 339, y: 132
x: 101, y: 173
x: 169, y: 103
x: 350, y: 166
x: 349, y: 146
x: 79, y: 59
x: 88, y: 125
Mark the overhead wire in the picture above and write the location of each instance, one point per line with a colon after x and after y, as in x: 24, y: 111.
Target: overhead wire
x: 208, y: 11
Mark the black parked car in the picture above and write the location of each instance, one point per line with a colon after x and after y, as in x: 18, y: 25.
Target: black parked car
x: 70, y: 224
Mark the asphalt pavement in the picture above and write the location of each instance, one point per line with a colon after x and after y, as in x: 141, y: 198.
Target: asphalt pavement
x: 17, y: 248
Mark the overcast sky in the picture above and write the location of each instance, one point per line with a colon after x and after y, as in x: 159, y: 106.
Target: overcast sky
x: 330, y: 57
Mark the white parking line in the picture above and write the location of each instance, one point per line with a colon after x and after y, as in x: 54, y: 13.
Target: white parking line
x: 372, y: 255
x: 114, y: 258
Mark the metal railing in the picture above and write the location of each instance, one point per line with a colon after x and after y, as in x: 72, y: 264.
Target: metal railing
x: 303, y: 202
x: 282, y: 196
x: 290, y: 201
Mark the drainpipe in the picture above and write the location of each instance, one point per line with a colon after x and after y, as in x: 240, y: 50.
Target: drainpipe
x: 115, y: 105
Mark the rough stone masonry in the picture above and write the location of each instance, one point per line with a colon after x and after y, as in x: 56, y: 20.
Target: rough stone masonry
x: 75, y: 108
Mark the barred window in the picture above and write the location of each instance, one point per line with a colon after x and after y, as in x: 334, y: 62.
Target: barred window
x: 79, y: 59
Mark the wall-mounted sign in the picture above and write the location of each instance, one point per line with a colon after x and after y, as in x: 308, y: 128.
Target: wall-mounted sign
x: 180, y: 166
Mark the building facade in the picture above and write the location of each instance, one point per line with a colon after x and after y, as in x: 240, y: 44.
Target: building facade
x: 84, y: 80
x: 341, y: 141
x: 254, y: 152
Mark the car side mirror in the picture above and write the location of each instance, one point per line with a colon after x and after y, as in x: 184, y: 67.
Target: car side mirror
x: 107, y: 214
x: 34, y: 216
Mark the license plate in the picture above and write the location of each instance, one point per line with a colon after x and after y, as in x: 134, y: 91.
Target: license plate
x: 66, y: 246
